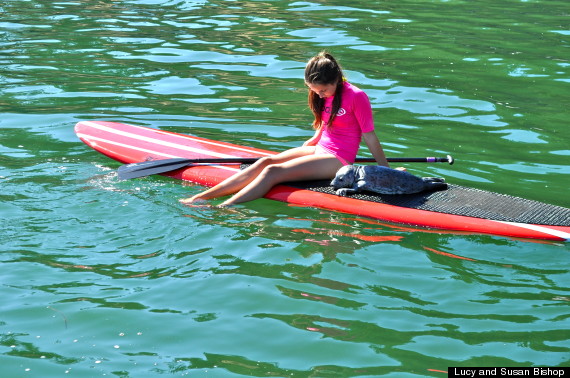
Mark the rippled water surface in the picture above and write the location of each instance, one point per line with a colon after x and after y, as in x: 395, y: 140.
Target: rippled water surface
x: 101, y: 277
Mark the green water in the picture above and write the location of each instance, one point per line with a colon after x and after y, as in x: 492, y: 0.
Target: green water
x: 106, y: 278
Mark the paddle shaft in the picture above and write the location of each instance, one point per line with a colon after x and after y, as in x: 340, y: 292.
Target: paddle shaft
x: 447, y: 159
x: 153, y: 167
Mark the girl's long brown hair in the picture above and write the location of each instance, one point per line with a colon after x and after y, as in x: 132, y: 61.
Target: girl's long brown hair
x: 323, y: 69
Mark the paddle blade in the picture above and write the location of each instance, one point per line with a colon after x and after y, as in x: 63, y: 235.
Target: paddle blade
x: 152, y: 167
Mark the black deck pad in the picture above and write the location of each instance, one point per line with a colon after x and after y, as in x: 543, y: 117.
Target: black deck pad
x: 460, y: 200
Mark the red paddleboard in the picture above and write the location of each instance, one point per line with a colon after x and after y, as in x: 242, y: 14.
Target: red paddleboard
x: 456, y: 209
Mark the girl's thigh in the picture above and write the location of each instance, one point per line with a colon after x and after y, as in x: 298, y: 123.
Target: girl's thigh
x: 310, y: 167
x: 292, y: 153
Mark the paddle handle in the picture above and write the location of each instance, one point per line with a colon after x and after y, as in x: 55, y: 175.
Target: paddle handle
x: 449, y: 159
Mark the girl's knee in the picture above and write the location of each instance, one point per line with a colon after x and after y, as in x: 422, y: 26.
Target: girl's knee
x: 272, y: 169
x: 265, y: 161
x: 272, y: 173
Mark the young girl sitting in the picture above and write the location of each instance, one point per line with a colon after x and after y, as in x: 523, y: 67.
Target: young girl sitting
x: 343, y: 116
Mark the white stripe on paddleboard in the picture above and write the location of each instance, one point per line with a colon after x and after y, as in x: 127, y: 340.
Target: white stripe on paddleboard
x: 90, y: 137
x: 543, y: 229
x: 170, y: 144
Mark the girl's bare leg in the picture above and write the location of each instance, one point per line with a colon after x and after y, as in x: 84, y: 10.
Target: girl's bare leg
x: 311, y: 167
x: 238, y: 181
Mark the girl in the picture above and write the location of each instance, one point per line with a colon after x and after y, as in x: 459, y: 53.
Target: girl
x: 343, y: 116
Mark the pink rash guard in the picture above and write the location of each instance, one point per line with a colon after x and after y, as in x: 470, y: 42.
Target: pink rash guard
x: 353, y: 118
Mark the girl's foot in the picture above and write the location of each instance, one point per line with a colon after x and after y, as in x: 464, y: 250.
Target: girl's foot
x: 195, y: 200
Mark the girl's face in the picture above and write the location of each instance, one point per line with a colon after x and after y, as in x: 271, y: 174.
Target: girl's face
x: 323, y: 90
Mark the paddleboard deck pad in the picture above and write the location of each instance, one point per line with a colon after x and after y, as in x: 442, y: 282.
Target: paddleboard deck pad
x: 457, y: 209
x: 465, y: 201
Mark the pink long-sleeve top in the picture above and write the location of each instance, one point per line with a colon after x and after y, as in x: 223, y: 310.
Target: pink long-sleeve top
x: 342, y: 138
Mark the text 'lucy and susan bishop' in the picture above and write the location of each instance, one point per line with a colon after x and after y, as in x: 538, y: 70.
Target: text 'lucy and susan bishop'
x: 473, y: 372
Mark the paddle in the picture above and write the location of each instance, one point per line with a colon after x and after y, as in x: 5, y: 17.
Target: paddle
x: 153, y: 167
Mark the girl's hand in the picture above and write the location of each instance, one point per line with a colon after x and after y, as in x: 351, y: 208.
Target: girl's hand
x: 314, y: 139
x: 310, y: 142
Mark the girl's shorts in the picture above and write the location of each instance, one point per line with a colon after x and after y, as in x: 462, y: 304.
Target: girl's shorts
x: 320, y: 150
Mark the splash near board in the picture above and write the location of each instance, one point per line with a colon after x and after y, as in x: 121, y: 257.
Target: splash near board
x: 456, y: 209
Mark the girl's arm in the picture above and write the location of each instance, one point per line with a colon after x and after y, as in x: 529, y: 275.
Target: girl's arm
x: 371, y: 140
x: 315, y: 138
